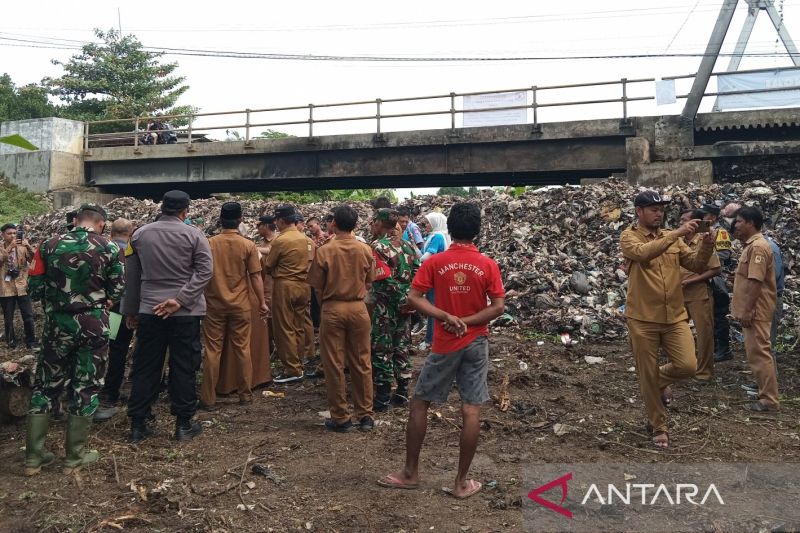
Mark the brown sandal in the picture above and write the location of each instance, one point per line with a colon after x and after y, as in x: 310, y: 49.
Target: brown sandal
x: 661, y: 443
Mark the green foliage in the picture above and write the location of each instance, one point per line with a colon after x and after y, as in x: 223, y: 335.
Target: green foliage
x: 117, y: 78
x: 452, y: 191
x: 21, y: 103
x: 16, y: 203
x: 308, y: 197
x: 273, y: 134
x: 19, y: 141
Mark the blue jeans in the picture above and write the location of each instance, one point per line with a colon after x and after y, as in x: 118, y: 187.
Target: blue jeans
x: 429, y: 330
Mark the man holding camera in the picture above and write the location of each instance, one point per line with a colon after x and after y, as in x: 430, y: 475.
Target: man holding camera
x: 15, y: 256
x: 654, y: 310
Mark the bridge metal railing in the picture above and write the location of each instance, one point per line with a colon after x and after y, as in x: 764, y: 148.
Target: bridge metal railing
x: 533, y: 96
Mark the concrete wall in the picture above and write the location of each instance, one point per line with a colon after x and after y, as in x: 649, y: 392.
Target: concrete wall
x: 59, y: 161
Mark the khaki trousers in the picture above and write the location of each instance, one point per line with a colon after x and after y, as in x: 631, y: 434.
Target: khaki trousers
x: 219, y: 327
x: 344, y: 338
x: 759, y: 357
x: 676, y: 339
x: 702, y: 313
x: 289, y: 308
x: 308, y: 334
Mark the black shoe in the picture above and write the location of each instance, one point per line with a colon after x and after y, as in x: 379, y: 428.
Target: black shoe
x: 32, y: 345
x: 12, y: 344
x: 314, y: 373
x: 366, y: 423
x: 338, y: 428
x: 381, y: 401
x: 187, y: 430
x: 726, y: 356
x: 287, y: 379
x: 139, y: 432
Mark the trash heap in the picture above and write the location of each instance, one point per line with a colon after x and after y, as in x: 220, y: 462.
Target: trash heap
x: 557, y: 247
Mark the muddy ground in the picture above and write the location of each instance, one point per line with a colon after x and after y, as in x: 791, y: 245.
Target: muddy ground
x: 326, y: 482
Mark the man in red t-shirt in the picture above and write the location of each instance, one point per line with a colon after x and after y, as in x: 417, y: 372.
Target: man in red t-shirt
x: 463, y: 280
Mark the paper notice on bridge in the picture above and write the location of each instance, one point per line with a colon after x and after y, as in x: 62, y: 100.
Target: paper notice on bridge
x: 501, y: 117
x: 665, y: 92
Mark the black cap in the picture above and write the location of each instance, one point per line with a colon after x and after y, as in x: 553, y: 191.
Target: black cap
x: 175, y: 201
x: 93, y: 207
x: 266, y: 219
x: 711, y: 209
x: 286, y: 211
x: 647, y: 198
x: 231, y: 211
x: 71, y: 216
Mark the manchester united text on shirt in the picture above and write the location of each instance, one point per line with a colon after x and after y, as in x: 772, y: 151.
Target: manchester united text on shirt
x: 460, y: 266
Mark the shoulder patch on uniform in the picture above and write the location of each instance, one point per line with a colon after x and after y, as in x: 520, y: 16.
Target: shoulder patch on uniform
x: 129, y: 251
x: 759, y: 259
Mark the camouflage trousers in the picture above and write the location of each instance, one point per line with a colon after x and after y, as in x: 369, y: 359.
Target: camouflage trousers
x: 73, y: 356
x: 391, y: 340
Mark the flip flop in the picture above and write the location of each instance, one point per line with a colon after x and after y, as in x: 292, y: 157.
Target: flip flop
x: 657, y: 443
x: 476, y: 488
x: 393, y: 482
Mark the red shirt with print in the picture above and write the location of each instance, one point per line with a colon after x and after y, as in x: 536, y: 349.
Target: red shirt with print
x: 462, y: 279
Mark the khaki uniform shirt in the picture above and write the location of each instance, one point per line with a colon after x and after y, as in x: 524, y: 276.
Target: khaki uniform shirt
x: 342, y: 270
x: 756, y: 262
x: 654, y: 262
x: 235, y: 258
x: 17, y: 286
x: 265, y: 277
x: 289, y: 255
x: 697, y: 291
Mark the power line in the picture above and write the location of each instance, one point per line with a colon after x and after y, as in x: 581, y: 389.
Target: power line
x: 680, y: 28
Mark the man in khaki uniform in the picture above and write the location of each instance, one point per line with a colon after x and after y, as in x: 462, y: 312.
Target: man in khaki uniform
x: 307, y: 351
x: 228, y: 301
x: 287, y: 263
x: 699, y: 305
x: 754, y: 296
x: 342, y: 274
x: 654, y: 309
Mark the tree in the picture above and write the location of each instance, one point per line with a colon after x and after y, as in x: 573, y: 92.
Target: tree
x: 21, y: 103
x: 117, y: 78
x: 453, y: 191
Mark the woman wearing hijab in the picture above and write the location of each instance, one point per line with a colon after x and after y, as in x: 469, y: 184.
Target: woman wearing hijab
x: 437, y: 241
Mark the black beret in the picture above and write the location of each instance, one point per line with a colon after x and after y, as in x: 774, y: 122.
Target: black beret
x: 286, y: 211
x: 711, y: 209
x: 175, y: 200
x: 231, y: 211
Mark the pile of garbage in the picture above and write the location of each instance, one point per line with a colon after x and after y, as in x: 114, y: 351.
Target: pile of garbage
x: 557, y: 246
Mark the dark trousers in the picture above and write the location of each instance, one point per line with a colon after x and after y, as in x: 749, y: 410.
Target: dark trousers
x: 117, y: 357
x: 722, y: 326
x: 181, y: 334
x: 10, y: 304
x: 315, y: 310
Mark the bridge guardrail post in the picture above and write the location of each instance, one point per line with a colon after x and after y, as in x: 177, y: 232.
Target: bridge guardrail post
x: 624, y: 82
x: 189, y: 147
x: 136, y: 137
x: 247, y: 129
x: 378, y: 115
x: 536, y: 128
x: 86, y: 137
x: 453, y: 112
x: 310, y: 120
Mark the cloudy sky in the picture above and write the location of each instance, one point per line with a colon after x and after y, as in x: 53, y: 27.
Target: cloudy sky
x: 34, y: 32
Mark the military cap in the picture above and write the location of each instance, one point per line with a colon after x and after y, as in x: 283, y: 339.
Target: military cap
x: 93, y: 207
x: 266, y: 219
x: 175, y: 200
x: 286, y: 211
x: 231, y: 211
x: 711, y: 209
x: 647, y: 198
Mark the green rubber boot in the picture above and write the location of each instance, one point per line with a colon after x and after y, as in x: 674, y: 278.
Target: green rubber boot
x: 35, y: 455
x: 76, y: 436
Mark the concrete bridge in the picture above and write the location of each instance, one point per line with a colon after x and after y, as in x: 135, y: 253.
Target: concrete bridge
x: 650, y: 150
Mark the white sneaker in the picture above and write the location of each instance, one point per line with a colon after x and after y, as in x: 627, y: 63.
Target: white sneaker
x: 423, y: 346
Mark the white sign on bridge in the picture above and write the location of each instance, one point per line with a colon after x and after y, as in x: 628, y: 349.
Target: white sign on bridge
x: 774, y: 79
x: 495, y: 100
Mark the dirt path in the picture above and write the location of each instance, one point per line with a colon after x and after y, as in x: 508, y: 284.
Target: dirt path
x: 326, y: 482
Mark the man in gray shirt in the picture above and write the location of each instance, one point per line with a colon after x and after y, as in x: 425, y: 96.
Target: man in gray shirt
x: 168, y: 266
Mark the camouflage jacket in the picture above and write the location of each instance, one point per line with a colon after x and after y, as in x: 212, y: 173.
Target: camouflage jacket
x: 403, y: 262
x: 77, y: 271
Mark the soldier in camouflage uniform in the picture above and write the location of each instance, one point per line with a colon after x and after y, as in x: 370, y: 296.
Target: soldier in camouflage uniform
x: 391, y: 333
x: 77, y: 276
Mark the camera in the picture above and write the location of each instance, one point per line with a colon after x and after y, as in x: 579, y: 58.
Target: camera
x: 20, y: 234
x: 13, y: 273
